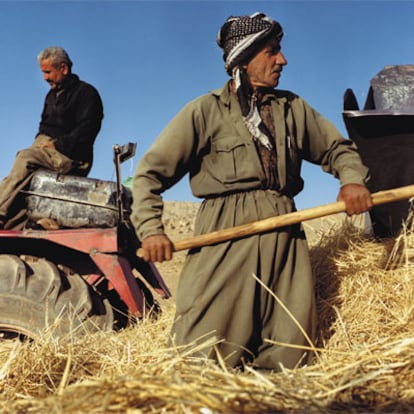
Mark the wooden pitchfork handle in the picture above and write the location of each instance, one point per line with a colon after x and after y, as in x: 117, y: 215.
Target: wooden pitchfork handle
x: 271, y: 223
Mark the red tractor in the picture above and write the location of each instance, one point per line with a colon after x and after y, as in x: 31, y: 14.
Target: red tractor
x: 85, y: 274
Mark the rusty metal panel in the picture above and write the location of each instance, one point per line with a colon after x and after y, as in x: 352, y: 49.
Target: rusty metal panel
x: 393, y: 89
x: 72, y: 201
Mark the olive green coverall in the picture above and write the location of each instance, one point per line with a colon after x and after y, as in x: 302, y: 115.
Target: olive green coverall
x: 218, y: 294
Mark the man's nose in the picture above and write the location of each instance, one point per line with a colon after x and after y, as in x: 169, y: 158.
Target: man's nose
x: 280, y: 59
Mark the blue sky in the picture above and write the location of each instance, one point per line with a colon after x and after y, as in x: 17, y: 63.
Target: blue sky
x: 149, y: 58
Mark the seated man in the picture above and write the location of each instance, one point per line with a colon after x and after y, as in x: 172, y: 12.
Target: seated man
x: 70, y: 122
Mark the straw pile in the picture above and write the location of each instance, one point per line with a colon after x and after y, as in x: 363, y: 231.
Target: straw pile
x: 364, y: 360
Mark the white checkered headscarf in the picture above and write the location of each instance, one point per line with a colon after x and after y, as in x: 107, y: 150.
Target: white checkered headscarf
x: 240, y: 35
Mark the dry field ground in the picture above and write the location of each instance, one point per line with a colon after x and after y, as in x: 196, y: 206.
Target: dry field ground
x: 363, y: 358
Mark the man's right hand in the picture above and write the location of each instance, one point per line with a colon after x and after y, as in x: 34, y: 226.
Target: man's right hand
x: 47, y: 144
x: 157, y: 248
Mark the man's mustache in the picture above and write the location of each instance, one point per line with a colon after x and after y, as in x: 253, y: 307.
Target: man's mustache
x: 277, y: 69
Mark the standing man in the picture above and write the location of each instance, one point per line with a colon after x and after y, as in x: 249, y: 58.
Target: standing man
x: 70, y: 122
x: 242, y: 146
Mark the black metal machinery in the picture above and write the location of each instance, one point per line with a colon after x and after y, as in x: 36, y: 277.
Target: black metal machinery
x: 384, y: 134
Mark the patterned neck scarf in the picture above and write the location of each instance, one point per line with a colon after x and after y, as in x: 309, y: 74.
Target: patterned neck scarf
x: 250, y: 111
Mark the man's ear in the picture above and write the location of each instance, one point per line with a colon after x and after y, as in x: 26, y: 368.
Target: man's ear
x: 64, y: 69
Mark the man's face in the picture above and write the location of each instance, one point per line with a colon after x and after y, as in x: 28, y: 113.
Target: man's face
x: 54, y: 76
x: 265, y: 67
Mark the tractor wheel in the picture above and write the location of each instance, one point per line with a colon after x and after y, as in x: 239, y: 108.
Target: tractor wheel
x: 37, y: 297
